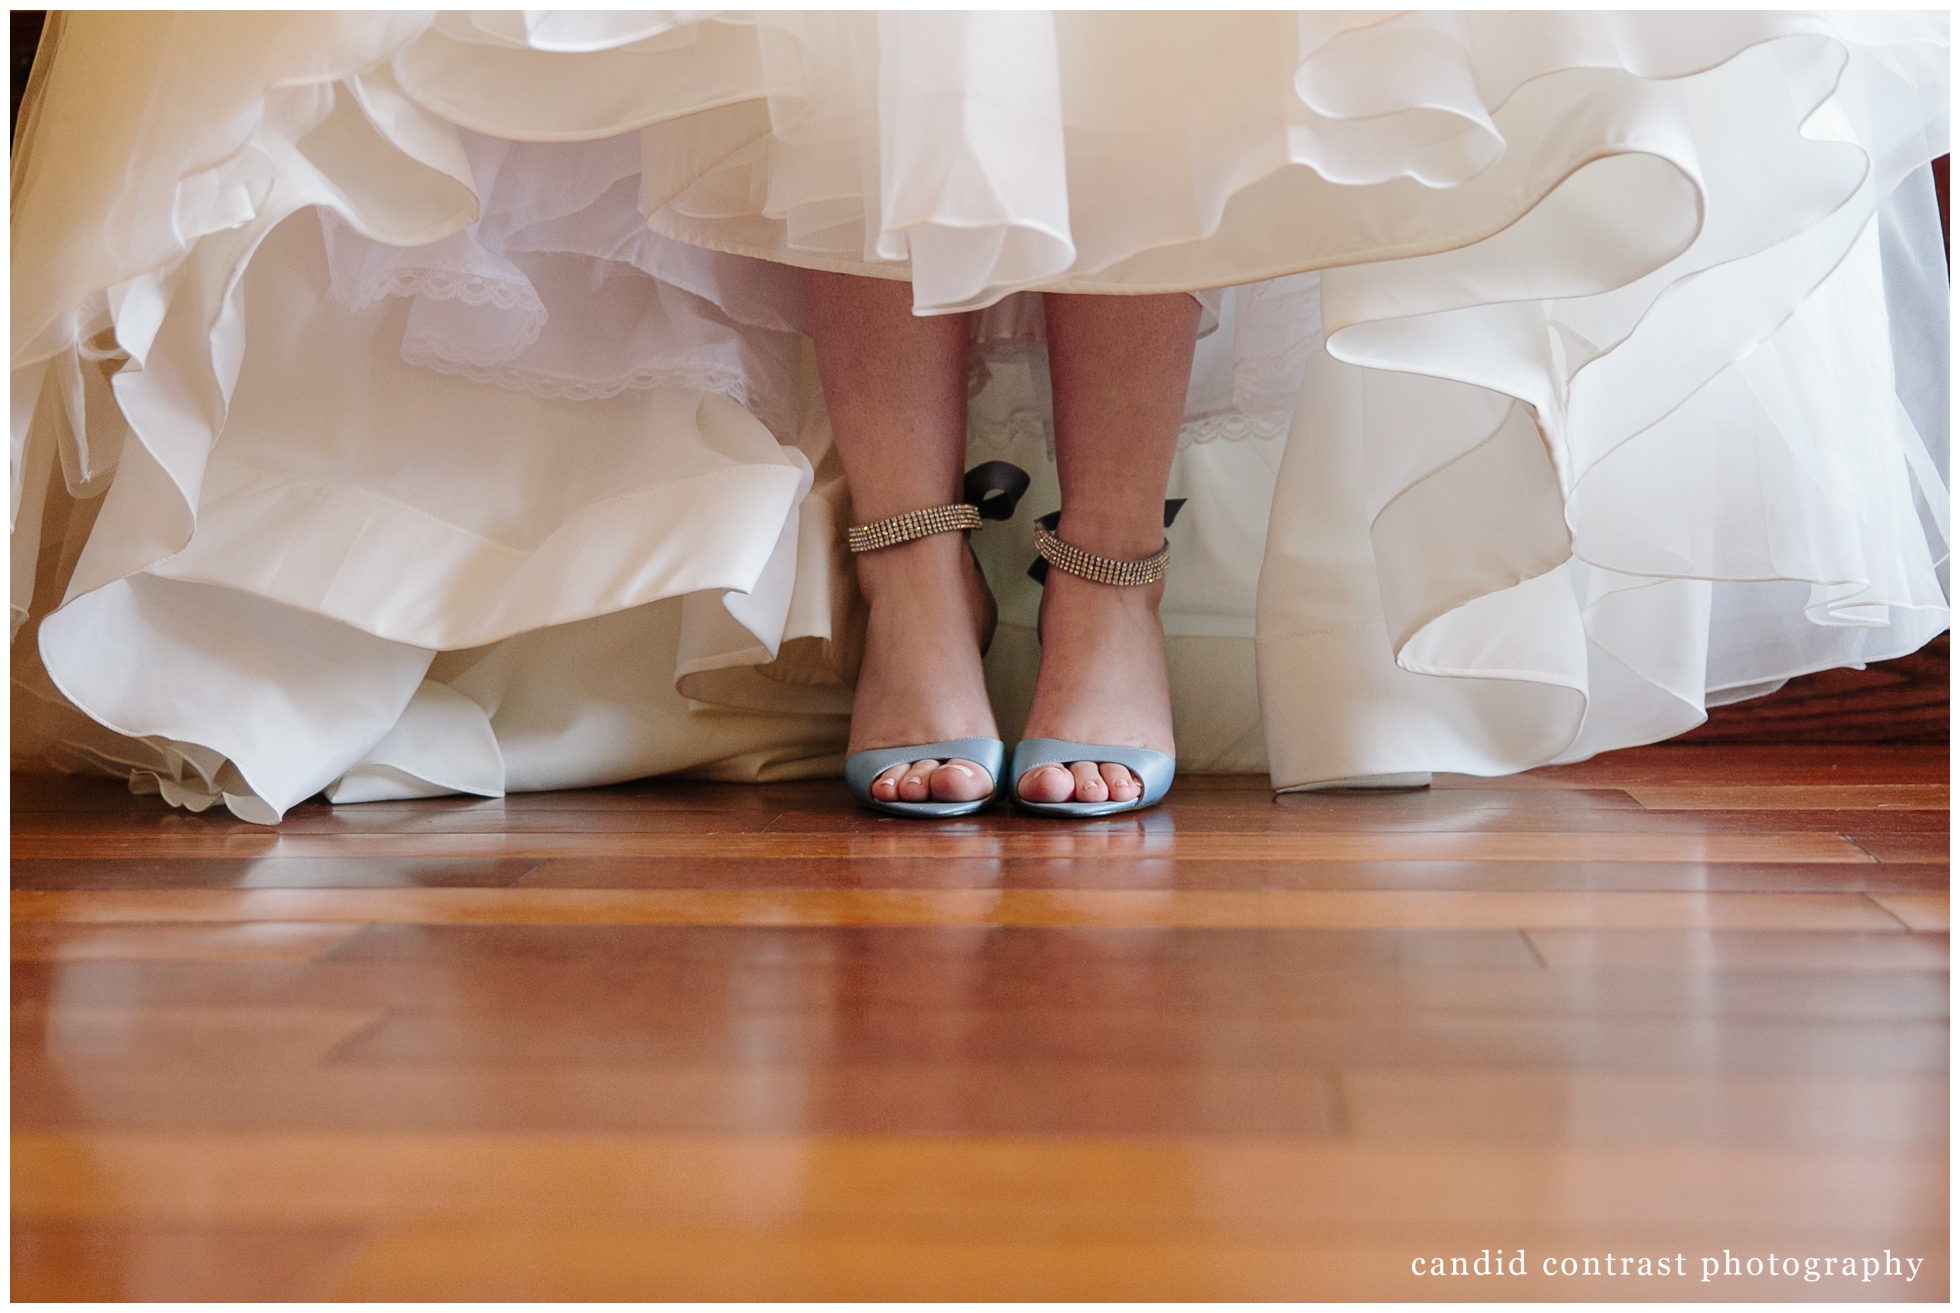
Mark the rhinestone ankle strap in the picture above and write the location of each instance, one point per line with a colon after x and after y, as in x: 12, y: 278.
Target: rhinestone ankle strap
x: 913, y: 524
x: 1073, y: 560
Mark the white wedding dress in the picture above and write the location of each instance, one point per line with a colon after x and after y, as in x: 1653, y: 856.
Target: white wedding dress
x: 408, y: 405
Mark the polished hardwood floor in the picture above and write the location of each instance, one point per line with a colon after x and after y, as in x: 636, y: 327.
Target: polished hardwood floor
x: 685, y: 1041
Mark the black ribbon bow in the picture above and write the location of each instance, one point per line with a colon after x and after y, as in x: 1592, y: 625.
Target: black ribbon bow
x: 997, y: 486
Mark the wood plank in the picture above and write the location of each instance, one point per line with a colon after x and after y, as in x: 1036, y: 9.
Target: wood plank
x: 255, y: 1093
x: 388, y: 818
x: 845, y: 963
x: 1042, y: 1035
x: 993, y: 1185
x: 1684, y: 822
x: 94, y: 793
x: 102, y: 1261
x: 1516, y: 811
x: 722, y: 872
x: 1353, y: 909
x: 621, y: 974
x: 190, y: 1035
x: 1150, y: 873
x: 958, y: 840
x: 1892, y: 847
x: 1553, y: 1107
x: 1792, y: 797
x: 510, y: 1078
x: 1731, y: 764
x: 1918, y: 911
x: 222, y: 941
x: 264, y: 873
x: 412, y: 957
x: 1698, y: 951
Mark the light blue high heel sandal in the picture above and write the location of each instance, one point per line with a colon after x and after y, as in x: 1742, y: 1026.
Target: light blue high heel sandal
x: 1154, y: 770
x: 861, y: 768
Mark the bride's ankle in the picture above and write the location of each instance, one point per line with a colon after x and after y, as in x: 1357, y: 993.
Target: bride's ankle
x: 904, y: 562
x: 1119, y: 536
x: 1068, y: 598
x: 938, y: 586
x: 922, y: 564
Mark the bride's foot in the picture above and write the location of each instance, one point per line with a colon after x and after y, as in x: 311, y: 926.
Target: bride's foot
x: 1102, y: 680
x: 921, y: 682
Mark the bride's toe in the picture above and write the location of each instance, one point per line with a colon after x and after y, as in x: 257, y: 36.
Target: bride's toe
x: 960, y: 781
x: 1120, y: 784
x: 885, y: 787
x: 1089, y: 785
x: 916, y: 784
x: 1047, y: 784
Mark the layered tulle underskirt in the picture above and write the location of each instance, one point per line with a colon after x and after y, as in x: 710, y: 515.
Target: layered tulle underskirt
x: 410, y: 406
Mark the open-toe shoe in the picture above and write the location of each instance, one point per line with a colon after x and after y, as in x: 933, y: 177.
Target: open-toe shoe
x: 861, y: 768
x: 1154, y: 771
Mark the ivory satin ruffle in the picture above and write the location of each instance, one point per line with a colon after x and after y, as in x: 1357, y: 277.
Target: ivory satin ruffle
x: 411, y: 404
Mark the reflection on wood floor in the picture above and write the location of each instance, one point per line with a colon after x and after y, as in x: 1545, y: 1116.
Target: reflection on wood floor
x: 681, y: 1041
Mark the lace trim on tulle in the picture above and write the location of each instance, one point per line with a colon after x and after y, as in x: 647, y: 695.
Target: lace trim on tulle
x: 445, y: 285
x: 733, y: 384
x: 457, y: 285
x: 556, y: 387
x: 1232, y: 427
x: 470, y: 289
x: 1026, y: 426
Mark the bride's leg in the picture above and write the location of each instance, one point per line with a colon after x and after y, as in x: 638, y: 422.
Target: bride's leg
x: 1120, y: 367
x: 895, y: 386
